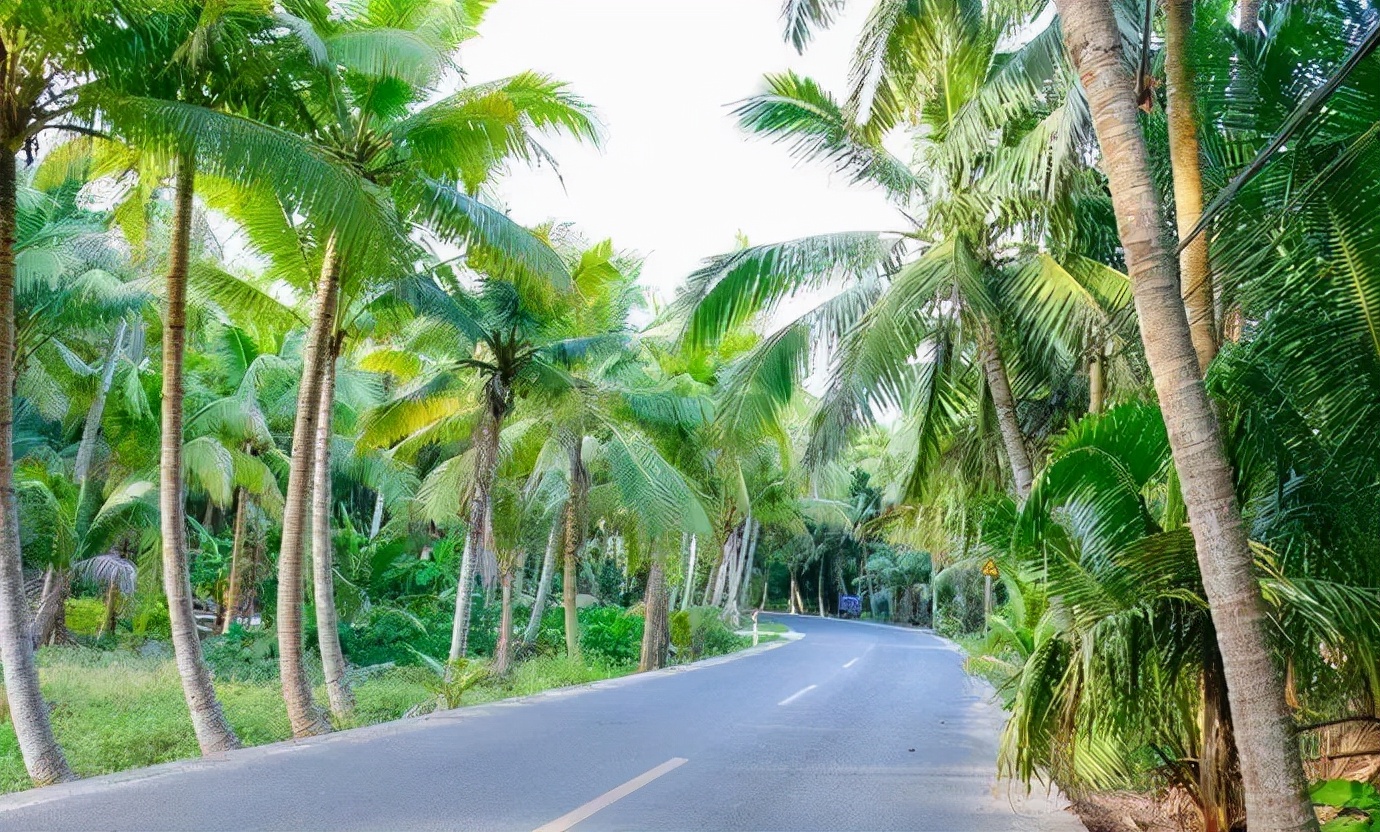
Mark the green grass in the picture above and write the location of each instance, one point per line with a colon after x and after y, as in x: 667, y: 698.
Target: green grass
x: 771, y: 627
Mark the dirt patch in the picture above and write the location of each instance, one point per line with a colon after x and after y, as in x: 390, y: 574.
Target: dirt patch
x: 1133, y: 812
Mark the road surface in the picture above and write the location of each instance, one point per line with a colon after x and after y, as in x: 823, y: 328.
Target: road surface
x: 853, y: 726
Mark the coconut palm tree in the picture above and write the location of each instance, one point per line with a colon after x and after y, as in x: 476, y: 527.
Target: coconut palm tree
x: 370, y: 106
x: 39, y: 85
x: 947, y: 295
x: 1275, y: 788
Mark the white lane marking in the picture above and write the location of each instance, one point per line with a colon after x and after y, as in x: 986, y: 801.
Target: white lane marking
x: 789, y: 699
x: 612, y: 796
x: 851, y: 662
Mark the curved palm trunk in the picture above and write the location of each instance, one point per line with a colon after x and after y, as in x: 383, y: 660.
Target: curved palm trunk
x: 485, y: 466
x: 232, y: 589
x: 1272, y: 773
x: 1195, y: 275
x: 213, y: 732
x: 735, y: 582
x: 574, y: 534
x: 306, y: 719
x: 43, y: 757
x: 655, y: 630
x: 548, y: 567
x: 333, y: 663
x: 994, y: 368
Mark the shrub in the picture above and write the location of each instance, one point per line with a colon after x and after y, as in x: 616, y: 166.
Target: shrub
x: 611, y: 634
x: 243, y: 655
x: 390, y: 634
x: 85, y: 615
x: 699, y: 632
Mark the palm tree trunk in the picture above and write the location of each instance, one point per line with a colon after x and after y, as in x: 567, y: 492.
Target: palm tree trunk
x: 574, y: 534
x: 1248, y: 16
x: 91, y: 430
x: 1219, y: 774
x: 376, y: 522
x: 112, y: 606
x: 57, y: 584
x: 1272, y: 773
x: 819, y: 587
x: 232, y: 590
x: 725, y: 564
x: 213, y: 732
x: 548, y: 567
x: 766, y: 582
x: 476, y: 537
x: 689, y: 576
x: 1097, y: 382
x: 998, y: 383
x: 504, y: 649
x: 333, y: 664
x: 754, y: 533
x: 1195, y: 274
x: 655, y: 626
x: 306, y: 719
x: 735, y: 581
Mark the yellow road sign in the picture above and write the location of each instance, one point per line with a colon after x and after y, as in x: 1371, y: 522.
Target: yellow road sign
x: 990, y: 569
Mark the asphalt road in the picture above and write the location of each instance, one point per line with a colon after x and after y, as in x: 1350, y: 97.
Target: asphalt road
x: 854, y: 726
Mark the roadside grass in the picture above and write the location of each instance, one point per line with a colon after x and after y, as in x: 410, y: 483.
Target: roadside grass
x: 771, y: 627
x: 116, y: 709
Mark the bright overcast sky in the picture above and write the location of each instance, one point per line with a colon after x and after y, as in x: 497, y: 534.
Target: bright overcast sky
x: 676, y: 179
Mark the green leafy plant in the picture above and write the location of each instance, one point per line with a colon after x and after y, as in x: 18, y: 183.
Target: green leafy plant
x: 448, y: 681
x: 1359, y: 804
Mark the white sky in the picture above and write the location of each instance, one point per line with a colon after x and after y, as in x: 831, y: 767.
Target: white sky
x: 676, y: 179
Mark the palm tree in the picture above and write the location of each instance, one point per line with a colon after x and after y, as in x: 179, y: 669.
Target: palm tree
x: 1275, y: 788
x: 39, y: 84
x: 422, y: 154
x: 946, y: 295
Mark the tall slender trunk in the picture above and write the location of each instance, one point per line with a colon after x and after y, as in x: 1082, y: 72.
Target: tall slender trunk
x: 477, y: 535
x: 1195, y: 273
x: 548, y: 567
x: 504, y: 649
x: 213, y: 731
x: 655, y: 629
x: 793, y: 601
x: 232, y: 589
x: 689, y: 576
x: 305, y: 717
x: 999, y: 384
x: 735, y: 580
x: 91, y: 430
x: 333, y: 664
x: 756, y: 532
x: 376, y: 522
x: 766, y: 583
x: 1097, y: 381
x: 1272, y: 773
x: 725, y: 564
x: 574, y: 536
x: 819, y: 588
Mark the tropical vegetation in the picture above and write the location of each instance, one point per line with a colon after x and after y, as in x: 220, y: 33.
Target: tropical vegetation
x: 301, y: 431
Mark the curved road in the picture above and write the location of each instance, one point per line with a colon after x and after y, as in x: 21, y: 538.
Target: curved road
x: 854, y: 726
